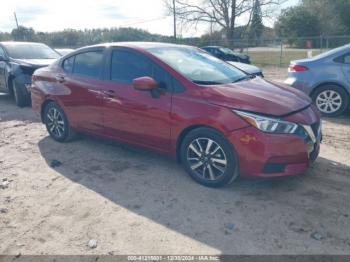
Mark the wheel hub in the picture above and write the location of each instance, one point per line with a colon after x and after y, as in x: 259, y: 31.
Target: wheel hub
x: 329, y: 101
x: 206, y: 158
x: 55, y: 122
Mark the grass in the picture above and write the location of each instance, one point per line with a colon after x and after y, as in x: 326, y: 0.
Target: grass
x: 271, y: 56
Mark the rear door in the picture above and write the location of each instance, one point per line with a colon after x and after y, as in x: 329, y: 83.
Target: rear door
x: 132, y: 115
x: 81, y: 79
x: 346, y: 67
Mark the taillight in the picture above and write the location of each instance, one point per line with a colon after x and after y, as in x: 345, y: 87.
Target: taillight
x: 297, y: 68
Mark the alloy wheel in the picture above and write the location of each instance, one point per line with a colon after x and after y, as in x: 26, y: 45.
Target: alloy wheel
x: 207, y: 159
x: 329, y: 101
x: 55, y: 122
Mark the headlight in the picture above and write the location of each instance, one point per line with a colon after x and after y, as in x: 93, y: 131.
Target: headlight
x: 266, y: 124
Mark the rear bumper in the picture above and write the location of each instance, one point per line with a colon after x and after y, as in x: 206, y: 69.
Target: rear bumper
x: 271, y: 155
x: 38, y: 99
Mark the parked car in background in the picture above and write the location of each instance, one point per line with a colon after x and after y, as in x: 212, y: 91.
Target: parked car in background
x: 64, y: 51
x: 178, y: 100
x: 18, y: 61
x: 325, y: 78
x: 227, y: 54
x: 249, y: 69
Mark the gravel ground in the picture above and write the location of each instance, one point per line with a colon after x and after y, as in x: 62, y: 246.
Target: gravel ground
x: 122, y: 200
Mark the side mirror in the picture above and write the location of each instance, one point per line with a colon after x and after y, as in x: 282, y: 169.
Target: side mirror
x: 145, y: 83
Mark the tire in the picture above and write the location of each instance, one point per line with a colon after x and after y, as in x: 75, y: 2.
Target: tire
x: 20, y: 95
x: 331, y: 100
x: 213, y: 166
x: 57, y: 124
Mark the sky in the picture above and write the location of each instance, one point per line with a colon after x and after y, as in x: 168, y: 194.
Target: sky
x: 50, y: 15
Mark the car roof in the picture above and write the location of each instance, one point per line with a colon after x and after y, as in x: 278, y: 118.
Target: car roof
x: 212, y: 46
x: 138, y: 45
x: 13, y: 43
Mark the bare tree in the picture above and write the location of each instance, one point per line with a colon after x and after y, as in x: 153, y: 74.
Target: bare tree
x: 221, y: 12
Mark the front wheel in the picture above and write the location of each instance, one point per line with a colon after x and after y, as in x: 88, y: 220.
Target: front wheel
x: 331, y: 100
x: 57, y: 123
x: 209, y: 158
x: 21, y: 96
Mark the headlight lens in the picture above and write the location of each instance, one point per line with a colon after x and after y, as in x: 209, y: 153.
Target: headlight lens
x: 266, y: 124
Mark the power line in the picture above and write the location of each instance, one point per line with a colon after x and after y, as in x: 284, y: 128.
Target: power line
x: 144, y: 21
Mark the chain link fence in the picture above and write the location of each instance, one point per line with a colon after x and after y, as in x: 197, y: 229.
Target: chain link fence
x: 277, y: 52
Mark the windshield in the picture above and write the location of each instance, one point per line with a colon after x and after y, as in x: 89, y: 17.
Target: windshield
x: 31, y: 51
x: 198, y: 66
x: 227, y: 51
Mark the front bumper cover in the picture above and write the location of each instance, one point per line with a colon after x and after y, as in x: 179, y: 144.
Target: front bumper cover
x: 270, y: 155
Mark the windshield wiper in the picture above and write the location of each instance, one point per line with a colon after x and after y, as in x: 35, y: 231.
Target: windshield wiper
x: 247, y: 77
x: 206, y: 82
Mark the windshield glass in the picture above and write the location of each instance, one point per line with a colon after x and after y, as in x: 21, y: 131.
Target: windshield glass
x: 227, y: 51
x: 198, y: 66
x: 31, y: 51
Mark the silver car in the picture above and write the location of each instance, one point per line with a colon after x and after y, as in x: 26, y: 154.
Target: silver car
x: 325, y: 78
x: 249, y: 69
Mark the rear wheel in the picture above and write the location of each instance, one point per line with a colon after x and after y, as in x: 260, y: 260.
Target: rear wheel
x: 331, y: 100
x: 209, y: 158
x: 57, y: 123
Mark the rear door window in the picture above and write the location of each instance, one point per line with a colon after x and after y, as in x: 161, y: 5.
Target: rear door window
x: 347, y: 59
x: 88, y: 64
x: 344, y: 59
x: 68, y: 64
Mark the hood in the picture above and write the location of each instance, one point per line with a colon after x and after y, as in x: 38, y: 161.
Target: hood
x: 34, y: 62
x: 258, y: 95
x: 250, y: 69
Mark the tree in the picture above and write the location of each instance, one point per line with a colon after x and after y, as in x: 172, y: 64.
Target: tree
x: 333, y: 15
x: 256, y: 27
x: 315, y: 17
x: 221, y: 12
x: 23, y: 34
x: 297, y: 22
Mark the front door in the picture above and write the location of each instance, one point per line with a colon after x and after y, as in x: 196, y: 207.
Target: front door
x: 2, y: 71
x: 136, y: 116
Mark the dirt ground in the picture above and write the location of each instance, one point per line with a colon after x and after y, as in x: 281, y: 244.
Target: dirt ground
x: 136, y: 202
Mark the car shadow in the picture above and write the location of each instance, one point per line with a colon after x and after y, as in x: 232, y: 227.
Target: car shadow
x: 343, y: 119
x: 9, y: 111
x: 157, y: 188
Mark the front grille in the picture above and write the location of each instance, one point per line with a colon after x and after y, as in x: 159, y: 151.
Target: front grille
x: 271, y: 168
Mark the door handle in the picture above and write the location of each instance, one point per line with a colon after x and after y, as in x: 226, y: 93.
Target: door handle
x: 60, y: 78
x: 109, y: 93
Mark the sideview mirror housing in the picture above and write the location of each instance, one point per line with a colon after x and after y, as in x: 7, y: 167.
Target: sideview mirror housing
x: 144, y: 83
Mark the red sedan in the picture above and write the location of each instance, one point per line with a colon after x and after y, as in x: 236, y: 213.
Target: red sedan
x: 178, y: 100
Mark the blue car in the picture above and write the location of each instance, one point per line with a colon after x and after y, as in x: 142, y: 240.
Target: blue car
x: 227, y: 54
x: 325, y: 78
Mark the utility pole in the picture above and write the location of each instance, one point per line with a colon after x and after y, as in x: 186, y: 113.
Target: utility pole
x: 174, y: 14
x: 16, y: 19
